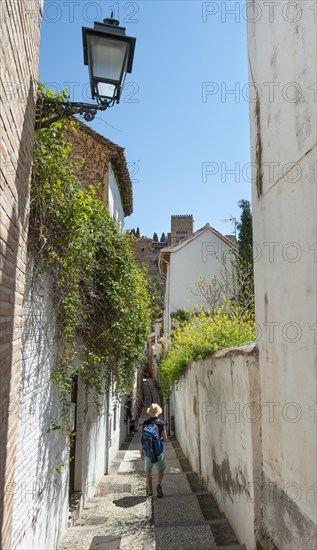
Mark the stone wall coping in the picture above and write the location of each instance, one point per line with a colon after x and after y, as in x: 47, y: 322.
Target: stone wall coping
x: 245, y: 349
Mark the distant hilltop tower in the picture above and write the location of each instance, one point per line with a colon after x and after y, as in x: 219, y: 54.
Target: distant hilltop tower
x: 182, y: 227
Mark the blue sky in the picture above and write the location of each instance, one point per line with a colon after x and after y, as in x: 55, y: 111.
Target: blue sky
x: 181, y: 136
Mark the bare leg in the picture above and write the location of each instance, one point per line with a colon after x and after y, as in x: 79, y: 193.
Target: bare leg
x: 160, y: 476
x: 149, y: 482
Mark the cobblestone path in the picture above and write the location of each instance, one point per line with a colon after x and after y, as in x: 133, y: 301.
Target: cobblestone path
x: 121, y: 517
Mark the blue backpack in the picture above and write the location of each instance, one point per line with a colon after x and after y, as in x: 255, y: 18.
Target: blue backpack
x: 151, y: 442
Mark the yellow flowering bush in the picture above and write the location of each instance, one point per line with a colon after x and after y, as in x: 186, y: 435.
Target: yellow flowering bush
x: 200, y: 336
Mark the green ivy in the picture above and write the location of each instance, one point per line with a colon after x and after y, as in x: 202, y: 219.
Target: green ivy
x: 102, y: 296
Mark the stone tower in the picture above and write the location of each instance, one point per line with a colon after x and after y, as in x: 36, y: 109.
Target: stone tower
x: 182, y: 227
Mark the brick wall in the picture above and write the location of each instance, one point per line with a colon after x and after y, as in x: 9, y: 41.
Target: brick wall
x: 20, y: 33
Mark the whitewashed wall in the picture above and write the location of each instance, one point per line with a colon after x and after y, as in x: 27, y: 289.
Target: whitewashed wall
x: 41, y: 494
x: 115, y: 204
x: 91, y: 433
x: 217, y: 415
x: 118, y: 428
x: 282, y: 53
x: 203, y: 256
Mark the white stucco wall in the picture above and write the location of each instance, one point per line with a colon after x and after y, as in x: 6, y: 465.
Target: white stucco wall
x: 98, y: 439
x: 114, y: 198
x: 41, y: 494
x: 203, y: 256
x: 118, y: 429
x: 217, y: 420
x: 91, y: 431
x: 283, y: 131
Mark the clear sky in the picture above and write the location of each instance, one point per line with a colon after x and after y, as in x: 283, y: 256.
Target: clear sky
x: 182, y: 129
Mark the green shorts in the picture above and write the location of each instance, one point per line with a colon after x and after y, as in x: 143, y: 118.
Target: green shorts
x: 160, y: 464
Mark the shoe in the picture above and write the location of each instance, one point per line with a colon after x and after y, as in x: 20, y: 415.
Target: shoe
x: 159, y: 491
x: 149, y: 494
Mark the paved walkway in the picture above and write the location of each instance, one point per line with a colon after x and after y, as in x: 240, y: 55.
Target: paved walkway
x: 122, y: 517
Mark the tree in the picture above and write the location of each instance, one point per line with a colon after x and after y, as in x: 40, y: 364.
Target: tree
x: 230, y: 290
x: 163, y: 238
x: 137, y: 233
x: 155, y: 237
x: 245, y: 238
x: 245, y: 262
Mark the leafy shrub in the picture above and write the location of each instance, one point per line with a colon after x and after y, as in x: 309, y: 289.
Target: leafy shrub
x: 199, y: 337
x: 180, y: 316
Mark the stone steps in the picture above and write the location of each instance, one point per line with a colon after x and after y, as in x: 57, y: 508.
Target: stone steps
x: 121, y: 517
x: 203, y: 518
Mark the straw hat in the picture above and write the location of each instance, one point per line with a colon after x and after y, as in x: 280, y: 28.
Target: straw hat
x: 154, y: 410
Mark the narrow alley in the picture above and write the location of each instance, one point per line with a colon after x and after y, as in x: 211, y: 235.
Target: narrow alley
x: 121, y: 517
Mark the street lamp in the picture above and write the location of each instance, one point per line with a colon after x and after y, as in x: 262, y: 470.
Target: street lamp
x: 108, y: 52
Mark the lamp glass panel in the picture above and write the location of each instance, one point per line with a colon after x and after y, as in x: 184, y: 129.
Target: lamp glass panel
x: 106, y: 90
x: 107, y: 57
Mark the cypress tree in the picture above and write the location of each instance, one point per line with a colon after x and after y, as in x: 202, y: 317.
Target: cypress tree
x: 245, y: 238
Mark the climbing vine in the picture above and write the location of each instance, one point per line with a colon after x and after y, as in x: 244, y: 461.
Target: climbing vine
x: 102, y: 297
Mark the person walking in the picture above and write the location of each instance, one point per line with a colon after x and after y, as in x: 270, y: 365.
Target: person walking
x: 153, y: 436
